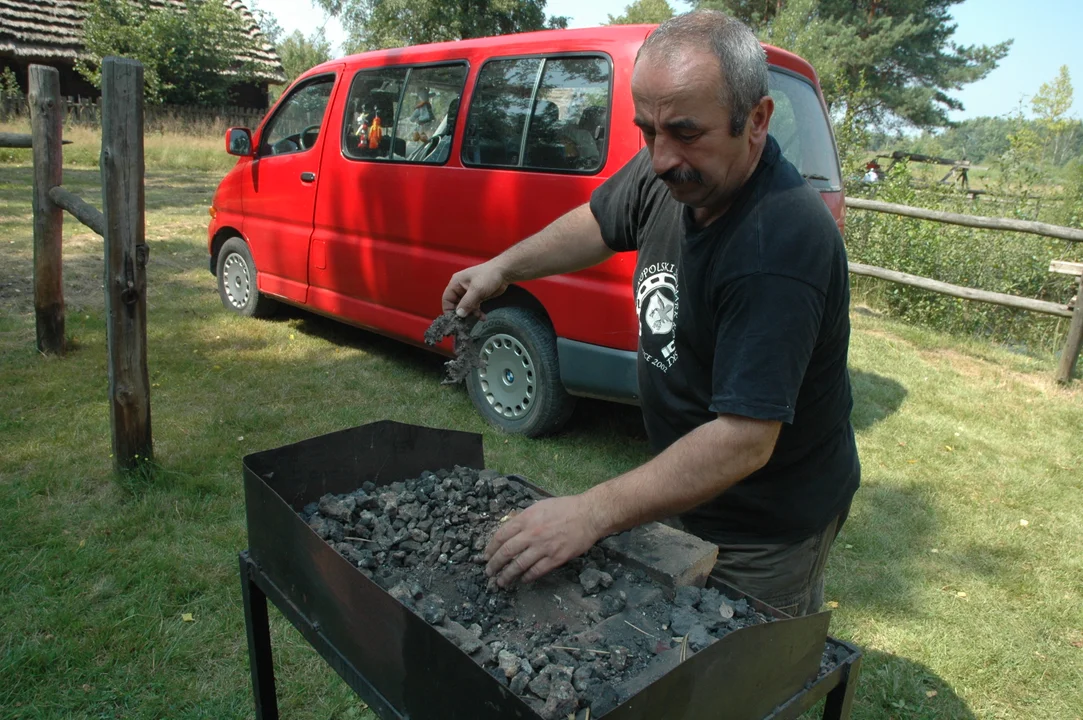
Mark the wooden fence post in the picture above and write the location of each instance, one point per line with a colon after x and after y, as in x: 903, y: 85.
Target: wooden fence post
x: 125, y: 260
x: 1074, y: 343
x: 46, y: 118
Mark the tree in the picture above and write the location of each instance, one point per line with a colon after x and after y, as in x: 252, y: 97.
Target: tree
x: 901, y: 51
x: 644, y: 11
x: 1051, y: 105
x: 189, y: 53
x: 373, y: 24
x: 299, y: 53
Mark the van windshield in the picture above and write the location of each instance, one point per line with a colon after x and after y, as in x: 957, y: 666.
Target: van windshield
x: 801, y: 128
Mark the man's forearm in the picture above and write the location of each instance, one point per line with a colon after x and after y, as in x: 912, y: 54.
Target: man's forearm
x: 571, y: 242
x: 695, y: 469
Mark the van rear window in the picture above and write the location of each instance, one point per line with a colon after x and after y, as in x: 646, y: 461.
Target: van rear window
x: 540, y: 114
x: 800, y: 126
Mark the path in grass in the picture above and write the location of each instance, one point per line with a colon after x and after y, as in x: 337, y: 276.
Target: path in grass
x: 964, y: 610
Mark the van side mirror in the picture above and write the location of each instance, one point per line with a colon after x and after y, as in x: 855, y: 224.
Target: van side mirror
x: 239, y: 141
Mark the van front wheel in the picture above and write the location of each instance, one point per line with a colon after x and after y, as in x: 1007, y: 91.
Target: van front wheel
x: 237, y: 281
x: 518, y: 387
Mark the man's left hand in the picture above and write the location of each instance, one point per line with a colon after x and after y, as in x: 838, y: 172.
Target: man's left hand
x: 543, y: 537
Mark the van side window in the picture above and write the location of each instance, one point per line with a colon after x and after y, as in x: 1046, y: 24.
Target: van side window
x: 371, y: 109
x: 431, y: 109
x: 498, y: 112
x: 296, y: 124
x: 567, y: 126
x: 540, y: 114
x: 403, y: 114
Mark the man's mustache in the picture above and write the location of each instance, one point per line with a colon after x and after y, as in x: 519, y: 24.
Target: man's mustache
x: 677, y: 176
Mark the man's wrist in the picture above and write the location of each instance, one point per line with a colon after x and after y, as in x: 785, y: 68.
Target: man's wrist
x: 601, y: 510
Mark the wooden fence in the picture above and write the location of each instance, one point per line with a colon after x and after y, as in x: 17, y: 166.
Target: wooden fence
x: 87, y: 112
x: 122, y: 226
x: 1074, y: 342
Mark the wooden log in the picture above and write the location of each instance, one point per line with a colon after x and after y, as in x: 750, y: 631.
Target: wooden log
x: 20, y: 140
x: 125, y: 260
x: 1074, y: 343
x: 16, y: 140
x: 83, y: 211
x: 995, y: 298
x: 46, y: 122
x: 974, y: 221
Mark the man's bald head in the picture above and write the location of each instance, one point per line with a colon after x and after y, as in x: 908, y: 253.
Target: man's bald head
x: 741, y: 59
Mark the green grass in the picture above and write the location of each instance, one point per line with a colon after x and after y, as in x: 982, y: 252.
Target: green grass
x: 960, y: 441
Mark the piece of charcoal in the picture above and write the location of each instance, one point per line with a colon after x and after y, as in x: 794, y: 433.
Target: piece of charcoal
x: 561, y: 701
x: 618, y: 657
x: 741, y: 608
x: 581, y: 677
x: 326, y: 528
x: 520, y: 682
x: 682, y: 619
x: 590, y: 580
x: 699, y: 638
x: 508, y: 662
x: 603, y: 698
x: 687, y: 596
x: 613, y: 603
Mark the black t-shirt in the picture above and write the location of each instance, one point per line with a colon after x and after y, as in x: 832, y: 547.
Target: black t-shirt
x: 748, y: 316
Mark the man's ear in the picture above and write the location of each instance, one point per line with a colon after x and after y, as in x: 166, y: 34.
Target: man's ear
x: 760, y: 118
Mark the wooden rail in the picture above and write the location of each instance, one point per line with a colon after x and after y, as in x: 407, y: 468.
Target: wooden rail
x: 122, y: 225
x: 995, y: 298
x: 1073, y: 344
x: 20, y: 140
x: 974, y: 221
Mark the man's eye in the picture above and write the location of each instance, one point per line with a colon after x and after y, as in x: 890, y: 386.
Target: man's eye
x: 688, y: 138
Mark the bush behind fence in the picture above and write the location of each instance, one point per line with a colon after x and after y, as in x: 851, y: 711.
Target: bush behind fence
x: 86, y: 112
x: 1000, y: 261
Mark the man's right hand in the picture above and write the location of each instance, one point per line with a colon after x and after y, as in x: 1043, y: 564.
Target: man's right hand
x: 469, y: 288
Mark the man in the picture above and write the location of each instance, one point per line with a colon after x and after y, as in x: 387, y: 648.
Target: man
x: 742, y: 292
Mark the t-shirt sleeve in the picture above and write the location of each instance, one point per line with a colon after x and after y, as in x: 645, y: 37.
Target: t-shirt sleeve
x: 766, y: 327
x: 618, y: 203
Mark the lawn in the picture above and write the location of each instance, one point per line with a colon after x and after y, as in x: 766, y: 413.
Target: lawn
x: 959, y: 572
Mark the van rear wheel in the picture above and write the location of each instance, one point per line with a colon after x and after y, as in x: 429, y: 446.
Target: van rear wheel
x: 237, y: 281
x: 518, y: 387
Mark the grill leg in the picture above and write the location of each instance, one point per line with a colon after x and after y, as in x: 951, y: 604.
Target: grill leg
x: 259, y: 643
x: 840, y: 701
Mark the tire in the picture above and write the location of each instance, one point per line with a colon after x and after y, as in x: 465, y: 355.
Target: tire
x: 237, y: 281
x: 519, y: 389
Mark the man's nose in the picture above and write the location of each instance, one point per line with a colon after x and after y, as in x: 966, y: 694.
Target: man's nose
x: 664, y: 155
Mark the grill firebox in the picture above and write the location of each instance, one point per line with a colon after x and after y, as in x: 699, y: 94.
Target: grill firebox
x: 404, y: 669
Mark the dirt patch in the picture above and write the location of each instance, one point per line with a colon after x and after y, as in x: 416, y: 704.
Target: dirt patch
x: 589, y: 635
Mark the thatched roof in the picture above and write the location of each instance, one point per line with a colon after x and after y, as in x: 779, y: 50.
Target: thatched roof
x: 53, y: 30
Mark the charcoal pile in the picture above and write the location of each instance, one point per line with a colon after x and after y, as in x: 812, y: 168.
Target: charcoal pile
x: 588, y: 635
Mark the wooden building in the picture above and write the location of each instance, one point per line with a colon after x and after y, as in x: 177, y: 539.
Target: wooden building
x: 50, y: 32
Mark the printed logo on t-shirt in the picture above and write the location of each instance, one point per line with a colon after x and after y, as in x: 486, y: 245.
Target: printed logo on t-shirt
x: 657, y: 301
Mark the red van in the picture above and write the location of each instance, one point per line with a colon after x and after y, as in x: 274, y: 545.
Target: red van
x: 376, y: 177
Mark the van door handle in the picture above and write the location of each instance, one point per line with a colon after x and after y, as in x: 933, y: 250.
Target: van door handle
x: 308, y: 177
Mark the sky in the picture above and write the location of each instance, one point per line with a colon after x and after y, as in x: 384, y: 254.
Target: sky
x: 1045, y: 33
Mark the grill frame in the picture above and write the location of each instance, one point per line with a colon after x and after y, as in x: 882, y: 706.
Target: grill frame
x: 403, y: 669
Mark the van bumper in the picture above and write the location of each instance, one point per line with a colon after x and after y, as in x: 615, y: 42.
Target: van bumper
x: 598, y: 372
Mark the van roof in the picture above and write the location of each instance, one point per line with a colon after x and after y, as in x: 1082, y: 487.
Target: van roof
x: 536, y: 42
